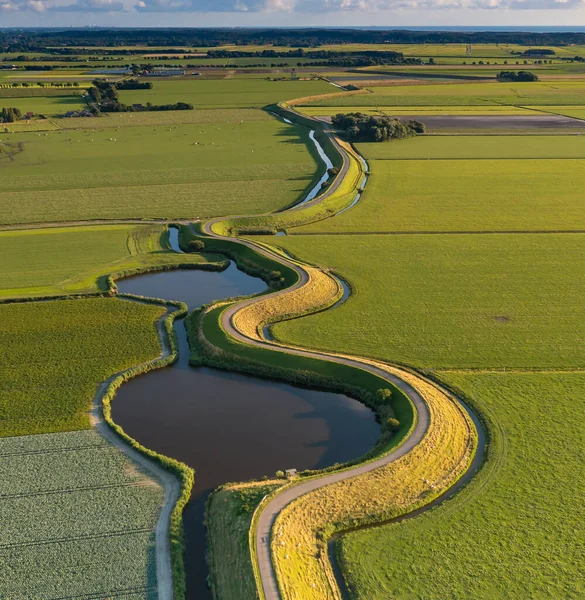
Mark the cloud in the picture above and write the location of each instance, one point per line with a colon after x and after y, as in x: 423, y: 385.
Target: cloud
x: 42, y: 6
x: 91, y: 6
x: 22, y: 5
x: 299, y: 7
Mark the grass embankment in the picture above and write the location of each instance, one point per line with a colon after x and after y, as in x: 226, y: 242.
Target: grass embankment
x: 515, y: 530
x: 228, y: 517
x: 321, y: 289
x: 180, y: 171
x: 77, y: 517
x: 70, y: 346
x: 66, y: 260
x: 301, y: 530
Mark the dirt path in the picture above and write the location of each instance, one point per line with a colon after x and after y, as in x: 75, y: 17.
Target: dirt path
x: 270, y: 512
x: 170, y: 483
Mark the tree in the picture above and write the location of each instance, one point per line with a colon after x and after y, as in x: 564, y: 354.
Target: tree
x: 383, y: 395
x: 196, y: 245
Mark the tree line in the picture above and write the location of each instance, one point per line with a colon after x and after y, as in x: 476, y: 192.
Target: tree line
x: 23, y: 40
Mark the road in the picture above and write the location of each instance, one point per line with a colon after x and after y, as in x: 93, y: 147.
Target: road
x: 271, y: 511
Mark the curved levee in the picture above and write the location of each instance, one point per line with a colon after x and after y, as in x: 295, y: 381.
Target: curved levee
x: 437, y: 452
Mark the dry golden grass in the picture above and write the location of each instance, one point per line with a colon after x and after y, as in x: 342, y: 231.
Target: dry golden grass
x: 306, y: 99
x: 320, y: 291
x: 414, y: 480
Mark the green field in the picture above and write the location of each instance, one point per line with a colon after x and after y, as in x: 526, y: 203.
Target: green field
x: 514, y: 531
x: 54, y: 355
x: 224, y: 93
x: 78, y: 259
x: 477, y: 147
x: 324, y: 111
x: 450, y: 301
x: 78, y: 519
x: 465, y: 195
x: 467, y: 94
x: 160, y: 171
x: 47, y: 101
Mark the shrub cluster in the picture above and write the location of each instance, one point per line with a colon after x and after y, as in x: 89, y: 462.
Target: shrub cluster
x: 359, y: 127
x: 517, y: 76
x: 10, y: 115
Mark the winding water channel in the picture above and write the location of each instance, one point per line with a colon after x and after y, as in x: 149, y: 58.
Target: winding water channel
x: 230, y: 427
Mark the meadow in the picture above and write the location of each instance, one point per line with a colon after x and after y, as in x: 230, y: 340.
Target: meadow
x: 449, y: 301
x: 175, y: 171
x: 513, y: 531
x: 497, y: 110
x: 72, y: 504
x: 467, y: 94
x: 466, y: 194
x: 47, y: 103
x: 224, y: 93
x: 71, y: 346
x: 477, y: 147
x: 64, y: 260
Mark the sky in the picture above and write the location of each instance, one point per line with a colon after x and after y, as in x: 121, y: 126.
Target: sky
x: 290, y: 13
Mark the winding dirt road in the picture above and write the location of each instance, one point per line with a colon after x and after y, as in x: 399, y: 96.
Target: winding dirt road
x: 273, y: 508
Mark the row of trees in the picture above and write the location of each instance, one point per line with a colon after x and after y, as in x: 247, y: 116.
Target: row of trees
x: 26, y: 84
x: 133, y: 84
x: 359, y: 127
x: 39, y: 40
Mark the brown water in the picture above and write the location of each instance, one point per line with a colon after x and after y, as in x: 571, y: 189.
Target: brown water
x: 230, y: 427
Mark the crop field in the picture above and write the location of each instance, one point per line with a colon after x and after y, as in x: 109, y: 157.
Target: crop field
x: 78, y: 259
x: 465, y: 195
x: 70, y: 346
x: 512, y: 532
x: 45, y: 105
x: 77, y: 519
x: 325, y: 111
x: 228, y: 93
x: 165, y: 171
x: 450, y: 301
x: 468, y: 94
x: 477, y: 147
x: 167, y: 117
